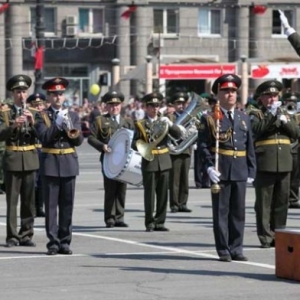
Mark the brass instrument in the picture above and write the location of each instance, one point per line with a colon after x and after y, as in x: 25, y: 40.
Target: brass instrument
x: 25, y: 127
x: 289, y: 108
x: 158, y: 131
x: 190, y: 119
x: 68, y: 126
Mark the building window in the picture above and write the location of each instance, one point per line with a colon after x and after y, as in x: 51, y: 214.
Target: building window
x: 209, y: 22
x: 49, y: 21
x: 276, y: 23
x: 91, y: 20
x: 166, y: 21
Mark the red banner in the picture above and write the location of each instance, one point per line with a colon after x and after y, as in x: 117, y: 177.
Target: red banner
x: 203, y: 71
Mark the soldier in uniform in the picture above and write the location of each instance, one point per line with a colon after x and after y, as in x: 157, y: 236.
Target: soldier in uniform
x: 156, y: 171
x: 59, y: 132
x: 290, y: 100
x: 273, y: 132
x: 103, y: 128
x: 20, y: 162
x: 179, y: 174
x: 37, y: 102
x: 236, y: 166
x: 2, y: 150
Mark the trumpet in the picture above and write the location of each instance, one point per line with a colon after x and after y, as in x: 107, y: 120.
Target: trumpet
x: 25, y: 127
x: 68, y: 126
x: 289, y: 108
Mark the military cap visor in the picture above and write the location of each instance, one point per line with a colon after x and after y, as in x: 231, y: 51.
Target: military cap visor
x: 55, y: 85
x: 36, y: 98
x: 227, y: 81
x: 269, y: 87
x: 153, y: 98
x: 18, y: 82
x: 113, y: 97
x: 179, y: 97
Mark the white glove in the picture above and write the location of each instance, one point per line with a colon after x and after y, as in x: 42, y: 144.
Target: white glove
x: 60, y: 118
x: 283, y: 119
x: 284, y: 21
x: 213, y: 174
x: 274, y: 107
x: 166, y: 120
x: 182, y: 129
x: 250, y: 180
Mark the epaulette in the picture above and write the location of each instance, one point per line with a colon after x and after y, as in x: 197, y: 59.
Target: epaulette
x: 45, y: 117
x: 256, y: 112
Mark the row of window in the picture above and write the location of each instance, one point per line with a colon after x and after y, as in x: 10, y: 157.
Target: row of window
x: 165, y: 21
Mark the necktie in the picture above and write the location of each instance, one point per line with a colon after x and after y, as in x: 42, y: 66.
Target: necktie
x: 230, y: 117
x: 115, y: 119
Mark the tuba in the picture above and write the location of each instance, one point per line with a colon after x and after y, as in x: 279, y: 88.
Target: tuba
x: 158, y: 131
x: 190, y: 119
x: 68, y: 126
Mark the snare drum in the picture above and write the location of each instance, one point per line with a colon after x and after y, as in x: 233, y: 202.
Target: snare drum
x: 123, y: 163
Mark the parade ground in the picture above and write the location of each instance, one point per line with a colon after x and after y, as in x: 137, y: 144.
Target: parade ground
x: 129, y: 263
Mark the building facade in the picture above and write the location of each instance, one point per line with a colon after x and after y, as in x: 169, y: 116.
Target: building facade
x: 86, y: 39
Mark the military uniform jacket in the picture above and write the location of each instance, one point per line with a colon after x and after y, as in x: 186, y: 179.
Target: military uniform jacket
x: 26, y: 160
x: 173, y: 117
x: 239, y: 162
x: 272, y: 140
x: 103, y: 129
x: 51, y: 137
x: 163, y: 161
x: 294, y: 39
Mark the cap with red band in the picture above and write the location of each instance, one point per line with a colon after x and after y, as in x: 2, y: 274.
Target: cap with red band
x: 55, y: 84
x: 227, y: 81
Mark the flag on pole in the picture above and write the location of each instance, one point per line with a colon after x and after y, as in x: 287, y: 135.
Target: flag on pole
x: 39, y: 58
x: 259, y: 9
x: 4, y: 7
x: 127, y: 13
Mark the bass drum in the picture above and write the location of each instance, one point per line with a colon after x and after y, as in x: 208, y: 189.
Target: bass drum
x: 123, y: 163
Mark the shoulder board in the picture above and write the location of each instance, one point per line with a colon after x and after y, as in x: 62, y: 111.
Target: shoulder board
x: 5, y: 109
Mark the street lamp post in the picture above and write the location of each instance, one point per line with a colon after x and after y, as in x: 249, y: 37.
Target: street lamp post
x: 40, y: 44
x: 244, y: 90
x: 115, y: 73
x: 149, y: 74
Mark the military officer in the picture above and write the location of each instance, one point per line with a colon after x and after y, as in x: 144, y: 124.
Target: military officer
x: 37, y: 102
x: 59, y: 132
x: 20, y: 162
x: 155, y: 169
x: 289, y: 100
x: 103, y: 128
x: 273, y: 132
x: 2, y: 150
x: 235, y: 167
x: 179, y: 174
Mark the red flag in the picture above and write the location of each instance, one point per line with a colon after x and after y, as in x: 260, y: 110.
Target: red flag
x: 39, y: 58
x: 127, y: 13
x: 4, y: 7
x: 259, y: 9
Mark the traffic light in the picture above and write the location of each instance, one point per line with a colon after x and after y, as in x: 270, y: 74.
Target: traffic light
x: 104, y: 79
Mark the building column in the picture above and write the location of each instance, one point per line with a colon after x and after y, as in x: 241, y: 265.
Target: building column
x: 242, y: 32
x: 16, y: 18
x: 123, y: 49
x: 140, y: 46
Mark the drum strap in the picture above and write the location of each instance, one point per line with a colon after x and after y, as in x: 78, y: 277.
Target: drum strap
x: 142, y: 129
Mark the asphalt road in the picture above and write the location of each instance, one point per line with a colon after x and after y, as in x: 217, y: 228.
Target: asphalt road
x: 129, y: 263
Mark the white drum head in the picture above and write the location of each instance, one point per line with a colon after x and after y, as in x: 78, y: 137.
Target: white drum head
x: 120, y: 143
